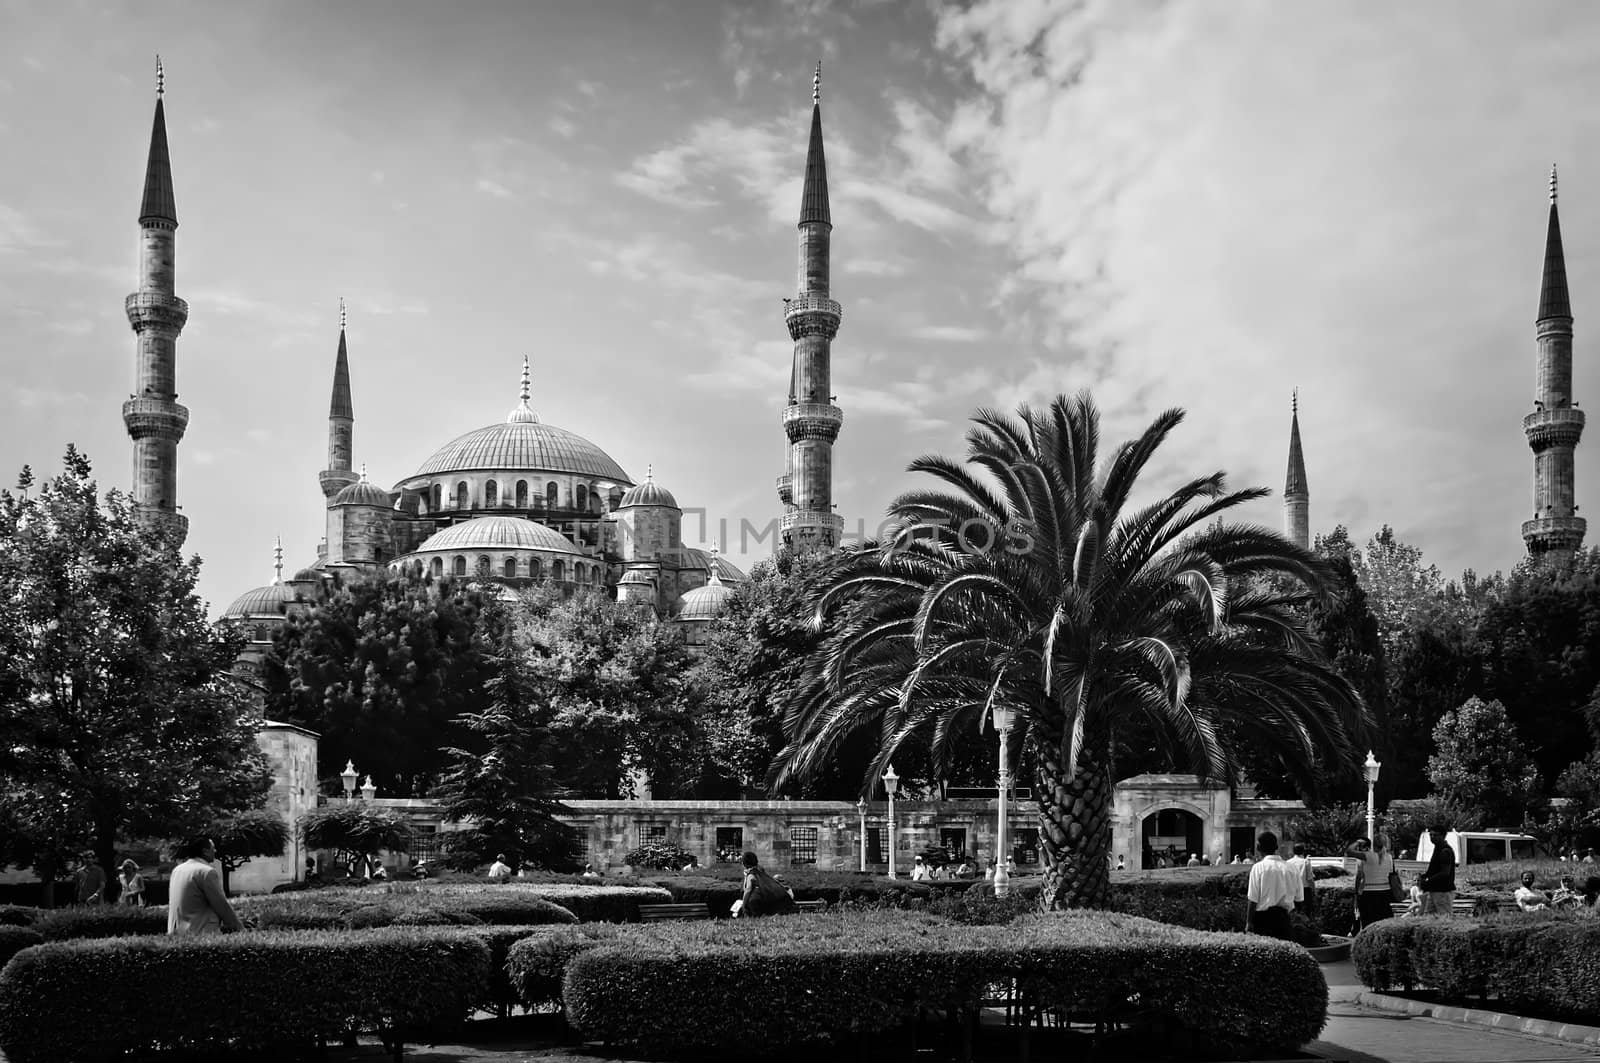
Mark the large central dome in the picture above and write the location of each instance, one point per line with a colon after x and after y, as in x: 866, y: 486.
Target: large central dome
x: 523, y: 443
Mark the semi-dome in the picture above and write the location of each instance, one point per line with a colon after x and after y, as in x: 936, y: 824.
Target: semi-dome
x: 635, y: 576
x: 648, y: 493
x: 362, y: 494
x: 726, y: 569
x: 270, y: 600
x: 498, y: 533
x: 706, y: 603
x: 523, y: 442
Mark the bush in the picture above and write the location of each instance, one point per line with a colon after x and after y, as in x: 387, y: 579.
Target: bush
x: 216, y: 993
x: 759, y: 985
x: 100, y: 921
x: 13, y: 939
x: 401, y: 904
x: 660, y: 856
x: 536, y: 964
x: 501, y: 993
x: 1542, y: 962
x: 18, y: 915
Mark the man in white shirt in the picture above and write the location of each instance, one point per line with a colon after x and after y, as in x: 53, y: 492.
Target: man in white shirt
x: 1275, y: 888
x: 1300, y: 863
x: 195, y: 901
x: 500, y: 871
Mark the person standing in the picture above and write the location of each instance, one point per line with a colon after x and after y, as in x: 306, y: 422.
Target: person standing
x: 1438, y: 882
x: 89, y: 884
x: 132, y: 884
x: 1273, y: 891
x: 1373, y: 891
x: 196, y: 903
x: 1300, y: 864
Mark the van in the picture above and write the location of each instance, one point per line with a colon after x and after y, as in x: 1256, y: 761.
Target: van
x: 1483, y: 846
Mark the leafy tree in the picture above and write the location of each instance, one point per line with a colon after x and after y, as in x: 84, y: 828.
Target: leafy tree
x: 1030, y: 581
x: 1481, y: 763
x: 354, y: 832
x: 381, y: 670
x: 1330, y: 830
x: 504, y: 794
x: 240, y: 837
x: 117, y: 716
x: 1406, y: 822
x: 1434, y: 668
x: 658, y: 856
x: 613, y: 685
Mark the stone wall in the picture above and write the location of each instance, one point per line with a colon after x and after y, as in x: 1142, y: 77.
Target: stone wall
x: 292, y: 758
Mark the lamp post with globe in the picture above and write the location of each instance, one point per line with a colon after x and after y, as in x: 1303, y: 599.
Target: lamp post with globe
x: 1005, y: 718
x: 349, y: 777
x: 861, y: 811
x: 891, y: 783
x: 1371, y: 768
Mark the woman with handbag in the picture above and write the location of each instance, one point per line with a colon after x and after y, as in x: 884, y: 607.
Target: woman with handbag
x: 132, y: 885
x: 1377, y: 881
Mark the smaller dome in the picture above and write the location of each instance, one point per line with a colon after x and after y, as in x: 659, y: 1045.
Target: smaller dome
x: 263, y: 601
x: 648, y: 493
x: 635, y: 576
x: 706, y: 603
x: 497, y: 533
x: 362, y: 494
x: 727, y: 571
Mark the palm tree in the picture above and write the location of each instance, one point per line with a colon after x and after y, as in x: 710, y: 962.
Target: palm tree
x: 1029, y: 580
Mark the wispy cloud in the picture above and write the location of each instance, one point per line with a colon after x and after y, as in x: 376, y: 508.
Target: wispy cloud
x: 949, y: 333
x: 494, y: 188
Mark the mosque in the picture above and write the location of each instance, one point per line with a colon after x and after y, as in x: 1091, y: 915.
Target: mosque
x: 515, y: 502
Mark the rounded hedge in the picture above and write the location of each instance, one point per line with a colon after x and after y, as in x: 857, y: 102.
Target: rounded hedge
x: 100, y: 921
x: 214, y: 992
x: 13, y: 939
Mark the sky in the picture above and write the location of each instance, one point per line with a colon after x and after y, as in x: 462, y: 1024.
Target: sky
x: 1195, y: 205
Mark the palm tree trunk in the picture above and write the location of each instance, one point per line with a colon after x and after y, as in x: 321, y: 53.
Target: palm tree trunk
x: 1074, y: 830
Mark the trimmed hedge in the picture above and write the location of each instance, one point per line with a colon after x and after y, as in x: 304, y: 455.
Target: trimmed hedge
x: 13, y: 939
x: 369, y: 908
x: 537, y: 963
x: 215, y: 993
x: 100, y: 921
x: 17, y: 915
x: 590, y: 904
x: 1543, y: 962
x: 767, y: 984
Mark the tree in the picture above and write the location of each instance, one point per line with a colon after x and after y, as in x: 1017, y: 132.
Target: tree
x: 613, y: 683
x: 1031, y: 582
x: 504, y: 794
x: 354, y: 832
x: 381, y: 670
x: 240, y: 837
x: 117, y: 716
x: 1328, y: 831
x: 1481, y: 763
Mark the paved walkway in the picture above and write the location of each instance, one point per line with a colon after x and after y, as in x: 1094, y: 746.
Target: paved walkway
x: 1360, y: 1034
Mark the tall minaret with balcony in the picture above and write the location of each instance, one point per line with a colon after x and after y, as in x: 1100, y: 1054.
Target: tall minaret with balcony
x: 810, y: 420
x: 1555, y: 425
x: 340, y: 472
x: 154, y: 420
x: 1296, y: 495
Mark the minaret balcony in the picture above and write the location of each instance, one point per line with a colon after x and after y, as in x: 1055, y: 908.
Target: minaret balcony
x: 1554, y: 533
x: 809, y: 314
x: 156, y: 308
x: 1561, y: 427
x: 813, y: 525
x: 335, y: 480
x: 785, y: 491
x: 812, y: 420
x: 157, y: 418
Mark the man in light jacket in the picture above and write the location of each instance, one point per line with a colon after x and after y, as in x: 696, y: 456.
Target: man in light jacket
x: 196, y: 903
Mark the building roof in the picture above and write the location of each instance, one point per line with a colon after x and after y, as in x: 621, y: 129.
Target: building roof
x: 497, y: 533
x: 158, y: 203
x: 262, y: 601
x: 527, y: 446
x: 648, y: 493
x: 705, y: 603
x: 341, y: 406
x: 363, y: 493
x: 814, y: 196
x: 726, y: 569
x: 636, y: 576
x: 1295, y: 482
x: 1553, y: 298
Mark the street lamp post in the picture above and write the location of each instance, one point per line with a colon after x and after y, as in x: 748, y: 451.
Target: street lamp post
x: 1005, y: 718
x: 349, y: 777
x: 1371, y: 767
x: 861, y: 811
x: 891, y: 783
x: 369, y: 790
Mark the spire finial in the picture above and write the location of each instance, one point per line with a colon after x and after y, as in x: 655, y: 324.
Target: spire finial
x: 1294, y: 402
x: 1552, y: 183
x: 363, y: 472
x: 342, y: 318
x: 527, y: 377
x: 816, y: 84
x: 161, y: 78
x: 277, y: 560
x: 650, y: 473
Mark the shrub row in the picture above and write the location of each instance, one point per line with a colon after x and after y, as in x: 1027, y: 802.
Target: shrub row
x: 1544, y: 962
x: 369, y: 908
x: 766, y: 984
x: 242, y: 990
x: 99, y: 921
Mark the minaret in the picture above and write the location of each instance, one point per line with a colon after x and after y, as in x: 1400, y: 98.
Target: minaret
x: 341, y: 423
x: 1555, y: 425
x: 152, y: 415
x: 1296, y: 495
x: 810, y: 419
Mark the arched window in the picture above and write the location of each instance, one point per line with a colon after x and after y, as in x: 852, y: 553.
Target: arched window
x: 558, y: 571
x: 438, y: 563
x: 484, y: 565
x: 552, y: 495
x: 509, y: 569
x: 461, y: 495
x: 581, y: 499
x: 616, y: 498
x: 438, y: 498
x: 522, y: 494
x: 491, y: 494
x: 533, y: 567
x: 594, y: 500
x: 460, y: 565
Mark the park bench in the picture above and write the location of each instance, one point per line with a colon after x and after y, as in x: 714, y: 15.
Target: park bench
x: 810, y: 906
x: 655, y: 913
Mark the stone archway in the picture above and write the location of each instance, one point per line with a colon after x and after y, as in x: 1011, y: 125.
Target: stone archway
x: 1142, y: 797
x: 1171, y: 832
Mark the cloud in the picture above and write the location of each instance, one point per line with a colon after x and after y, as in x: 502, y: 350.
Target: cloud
x: 19, y: 232
x: 494, y: 188
x: 949, y: 334
x: 872, y: 267
x: 564, y: 128
x: 720, y: 158
x: 32, y: 398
